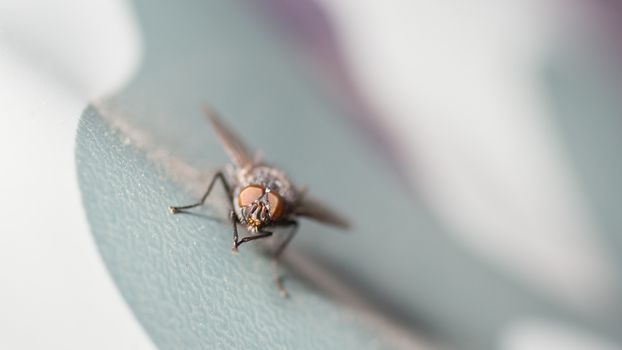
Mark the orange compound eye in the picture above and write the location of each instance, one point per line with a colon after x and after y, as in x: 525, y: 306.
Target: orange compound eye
x: 276, y: 205
x: 249, y: 195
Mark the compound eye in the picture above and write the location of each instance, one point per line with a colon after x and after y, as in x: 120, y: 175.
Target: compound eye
x: 276, y: 205
x: 249, y: 195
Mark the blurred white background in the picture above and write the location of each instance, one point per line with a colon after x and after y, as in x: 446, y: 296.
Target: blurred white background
x: 55, y: 291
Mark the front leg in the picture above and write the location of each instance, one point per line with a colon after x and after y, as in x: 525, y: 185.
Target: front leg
x: 218, y: 175
x: 261, y: 234
x: 234, y: 223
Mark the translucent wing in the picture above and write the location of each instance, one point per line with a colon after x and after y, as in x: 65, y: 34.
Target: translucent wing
x: 235, y: 148
x: 316, y: 210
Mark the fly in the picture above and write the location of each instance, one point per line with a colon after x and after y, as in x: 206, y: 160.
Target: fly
x: 262, y: 197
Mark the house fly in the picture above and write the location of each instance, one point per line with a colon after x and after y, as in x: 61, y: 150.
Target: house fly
x: 262, y: 197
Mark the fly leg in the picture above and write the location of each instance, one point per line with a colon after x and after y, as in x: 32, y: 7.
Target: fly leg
x: 218, y: 175
x: 234, y: 223
x: 277, y: 255
x: 237, y: 243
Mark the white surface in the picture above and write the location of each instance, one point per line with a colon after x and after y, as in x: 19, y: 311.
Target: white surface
x: 458, y: 83
x: 55, y: 292
x: 537, y: 334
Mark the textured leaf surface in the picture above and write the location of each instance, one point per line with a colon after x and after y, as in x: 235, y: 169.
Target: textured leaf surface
x: 177, y: 272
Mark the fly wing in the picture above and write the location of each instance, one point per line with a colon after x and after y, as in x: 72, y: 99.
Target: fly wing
x: 235, y: 148
x: 316, y: 210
